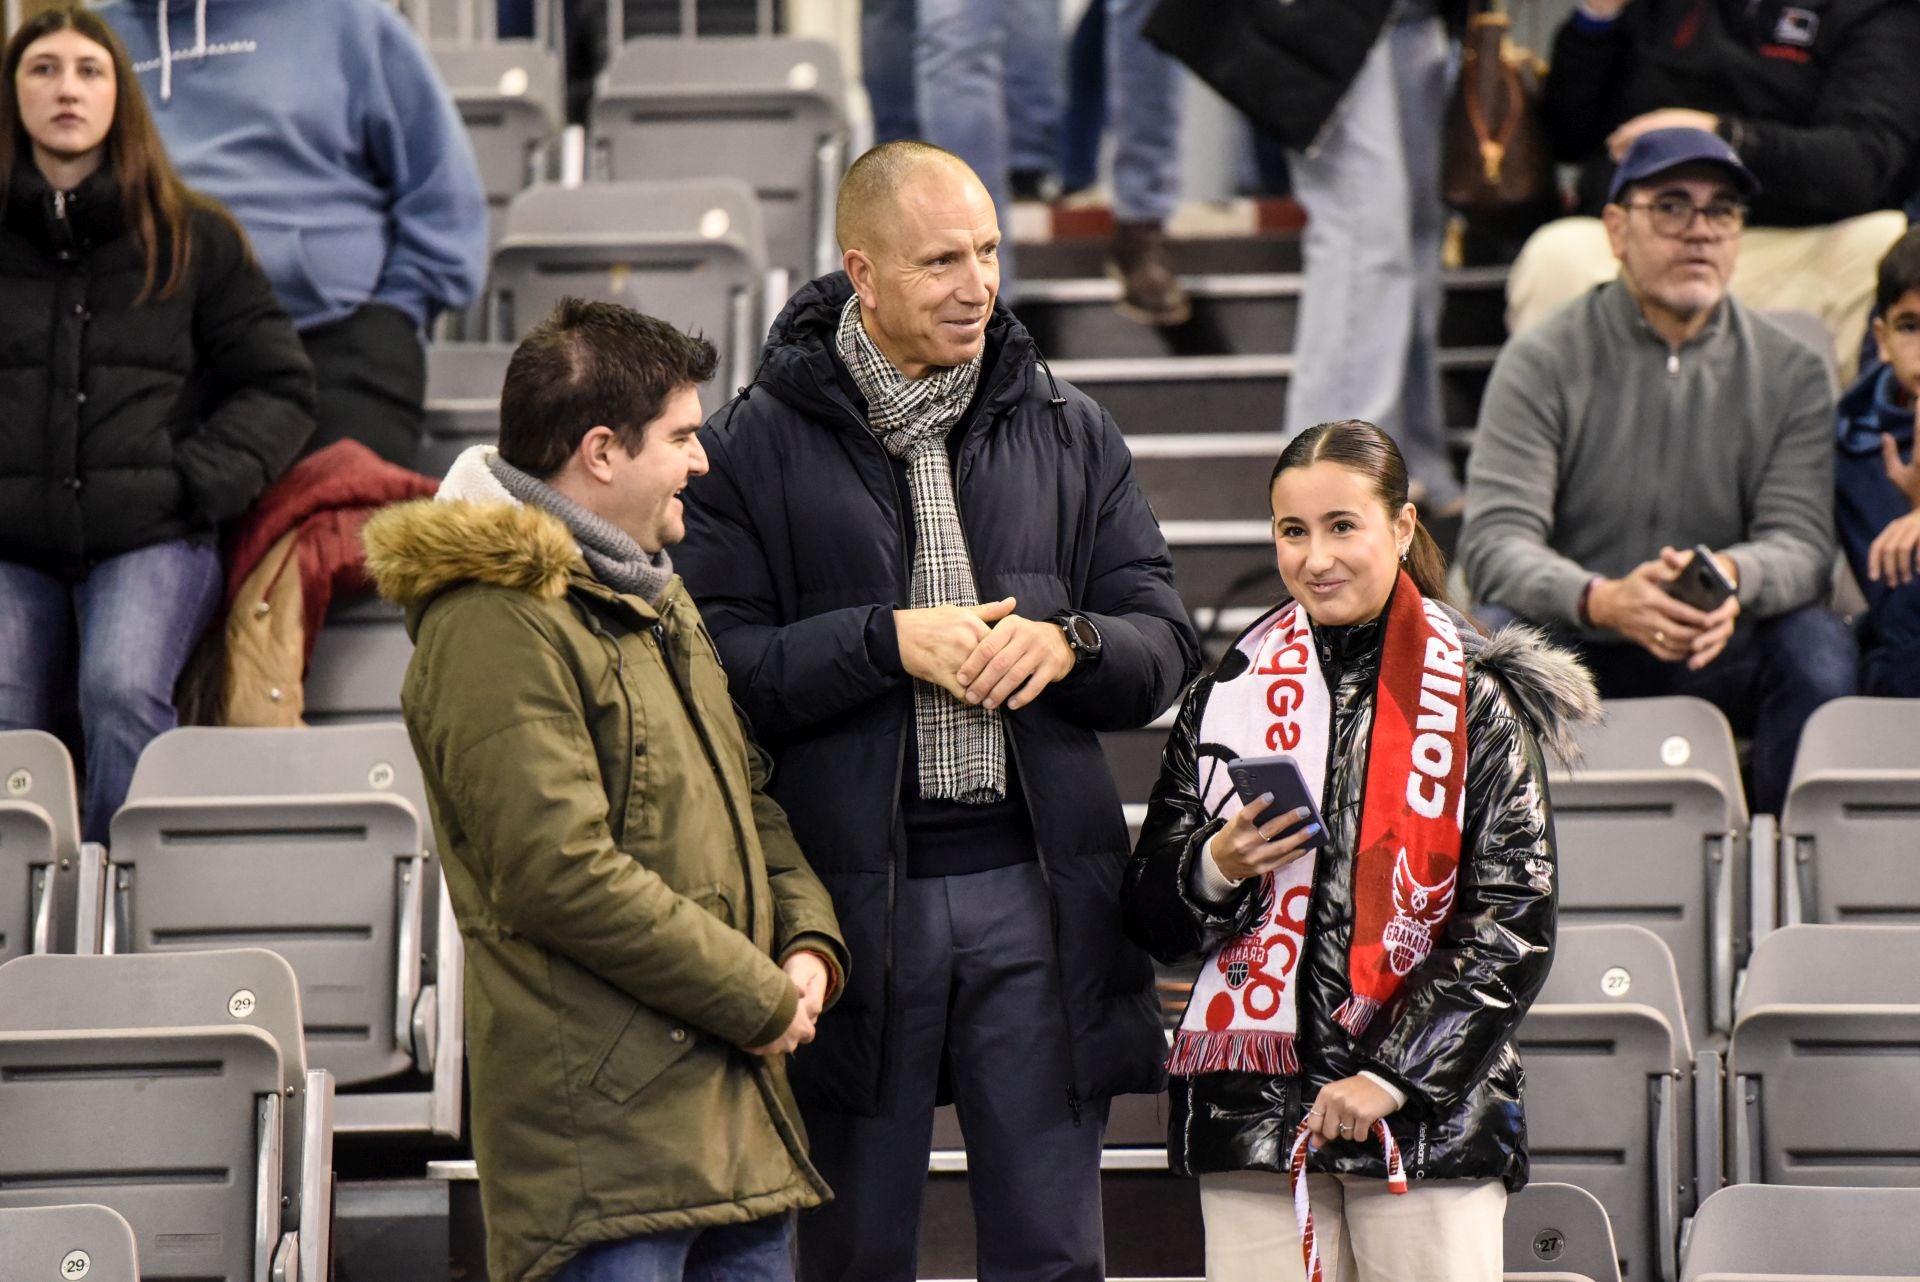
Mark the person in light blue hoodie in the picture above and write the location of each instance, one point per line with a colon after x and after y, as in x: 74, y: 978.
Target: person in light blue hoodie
x: 325, y: 130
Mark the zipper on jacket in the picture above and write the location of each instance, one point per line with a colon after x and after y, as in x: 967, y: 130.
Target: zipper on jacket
x: 901, y: 505
x: 1026, y: 799
x: 659, y: 634
x: 62, y: 229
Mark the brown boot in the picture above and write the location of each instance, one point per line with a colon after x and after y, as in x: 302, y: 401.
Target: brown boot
x: 1149, y: 291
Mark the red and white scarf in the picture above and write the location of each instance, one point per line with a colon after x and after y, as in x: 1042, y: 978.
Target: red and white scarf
x: 1242, y: 1017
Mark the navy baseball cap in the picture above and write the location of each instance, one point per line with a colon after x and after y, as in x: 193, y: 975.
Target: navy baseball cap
x: 1659, y: 150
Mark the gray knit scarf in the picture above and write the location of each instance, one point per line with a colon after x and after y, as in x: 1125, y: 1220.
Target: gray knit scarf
x: 963, y: 751
x: 615, y: 559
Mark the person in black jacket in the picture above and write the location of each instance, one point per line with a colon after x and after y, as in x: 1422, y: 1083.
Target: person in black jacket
x: 1357, y: 90
x: 152, y: 387
x: 1381, y: 978
x: 932, y: 579
x: 1820, y: 100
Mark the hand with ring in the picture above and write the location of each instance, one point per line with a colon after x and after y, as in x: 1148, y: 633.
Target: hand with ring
x: 1346, y: 1110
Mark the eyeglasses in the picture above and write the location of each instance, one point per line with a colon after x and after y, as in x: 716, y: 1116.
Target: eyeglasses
x: 1674, y: 215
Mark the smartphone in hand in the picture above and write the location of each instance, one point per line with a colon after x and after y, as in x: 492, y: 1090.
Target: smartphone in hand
x: 1702, y: 584
x: 1254, y: 777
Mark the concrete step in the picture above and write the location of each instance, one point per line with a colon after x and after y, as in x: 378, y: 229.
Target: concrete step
x: 1164, y: 394
x: 1192, y: 256
x: 1075, y: 318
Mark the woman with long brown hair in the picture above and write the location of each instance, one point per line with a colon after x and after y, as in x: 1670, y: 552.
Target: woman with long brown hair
x: 150, y: 388
x: 1369, y: 946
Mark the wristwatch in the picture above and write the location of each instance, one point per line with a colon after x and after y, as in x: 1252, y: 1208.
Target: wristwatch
x: 1082, y: 637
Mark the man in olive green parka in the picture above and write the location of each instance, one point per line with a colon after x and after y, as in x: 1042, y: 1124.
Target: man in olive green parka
x: 645, y: 942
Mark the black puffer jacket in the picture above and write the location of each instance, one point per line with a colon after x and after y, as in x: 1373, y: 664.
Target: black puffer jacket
x: 1285, y: 63
x: 1444, y: 1040
x: 1821, y: 96
x: 797, y: 539
x: 128, y: 425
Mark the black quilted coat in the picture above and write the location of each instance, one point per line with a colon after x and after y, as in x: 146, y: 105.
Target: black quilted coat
x: 1445, y: 1039
x: 125, y: 425
x: 799, y: 537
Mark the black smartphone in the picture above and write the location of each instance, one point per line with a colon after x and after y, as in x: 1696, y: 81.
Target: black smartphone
x: 1255, y: 777
x: 1701, y: 584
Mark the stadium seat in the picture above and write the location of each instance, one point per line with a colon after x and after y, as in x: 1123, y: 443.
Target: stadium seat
x: 1823, y: 1086
x: 1610, y: 1087
x: 312, y: 842
x: 83, y: 1240
x: 1652, y: 830
x: 1848, y: 849
x: 1757, y: 1233
x: 39, y: 845
x: 359, y: 660
x: 463, y: 401
x: 1558, y: 1233
x: 175, y: 1089
x: 771, y: 110
x: 510, y: 95
x: 690, y: 253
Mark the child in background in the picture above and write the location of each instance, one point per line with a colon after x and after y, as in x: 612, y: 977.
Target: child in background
x: 1877, y: 481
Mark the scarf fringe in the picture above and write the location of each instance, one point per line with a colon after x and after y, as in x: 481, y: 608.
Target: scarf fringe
x: 1233, y: 1051
x: 1356, y: 1013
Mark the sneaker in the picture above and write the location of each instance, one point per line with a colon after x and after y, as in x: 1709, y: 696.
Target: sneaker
x: 1149, y: 291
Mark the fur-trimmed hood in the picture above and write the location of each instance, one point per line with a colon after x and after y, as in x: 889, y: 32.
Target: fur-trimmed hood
x: 1551, y: 688
x: 473, y: 531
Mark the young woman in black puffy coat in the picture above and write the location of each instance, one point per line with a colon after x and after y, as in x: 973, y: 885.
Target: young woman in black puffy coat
x: 150, y: 388
x: 1370, y: 963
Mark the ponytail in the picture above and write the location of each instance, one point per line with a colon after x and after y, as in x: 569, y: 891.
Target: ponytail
x: 1427, y: 565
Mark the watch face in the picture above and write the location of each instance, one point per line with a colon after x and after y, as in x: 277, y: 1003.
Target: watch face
x: 1081, y: 633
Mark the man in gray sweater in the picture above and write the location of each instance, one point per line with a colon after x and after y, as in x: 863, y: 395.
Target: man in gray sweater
x: 1651, y: 415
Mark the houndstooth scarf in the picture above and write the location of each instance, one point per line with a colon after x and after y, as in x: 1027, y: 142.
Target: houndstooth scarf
x: 963, y: 753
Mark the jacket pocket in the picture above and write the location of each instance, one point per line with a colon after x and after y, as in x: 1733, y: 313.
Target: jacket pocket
x: 647, y: 1046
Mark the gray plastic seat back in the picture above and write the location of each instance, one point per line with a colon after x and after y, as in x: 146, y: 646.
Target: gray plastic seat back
x: 1823, y: 1079
x: 771, y: 110
x: 249, y: 987
x: 691, y: 253
x: 39, y: 844
x: 84, y: 1240
x: 1609, y: 1087
x: 329, y: 882
x: 509, y: 94
x: 221, y: 761
x: 177, y: 1130
x: 1765, y: 1232
x: 359, y: 660
x: 1559, y: 1231
x: 1652, y: 830
x: 463, y: 401
x: 1852, y: 819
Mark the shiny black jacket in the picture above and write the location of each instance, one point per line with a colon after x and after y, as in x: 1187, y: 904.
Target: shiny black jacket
x: 797, y: 549
x: 1444, y: 1040
x: 122, y: 423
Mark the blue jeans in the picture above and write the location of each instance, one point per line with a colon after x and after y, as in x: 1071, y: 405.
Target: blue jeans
x: 1370, y: 306
x: 1114, y: 74
x: 1032, y: 89
x: 137, y: 617
x: 1768, y: 681
x: 757, y: 1251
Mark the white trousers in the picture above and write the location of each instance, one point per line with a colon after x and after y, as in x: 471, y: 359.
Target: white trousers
x: 1830, y: 271
x: 1438, y: 1231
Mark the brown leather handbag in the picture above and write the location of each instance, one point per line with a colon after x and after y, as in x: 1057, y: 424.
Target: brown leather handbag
x: 1497, y: 162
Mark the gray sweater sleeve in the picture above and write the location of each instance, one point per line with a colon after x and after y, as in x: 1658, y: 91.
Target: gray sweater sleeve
x: 1786, y: 560
x: 1512, y: 477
